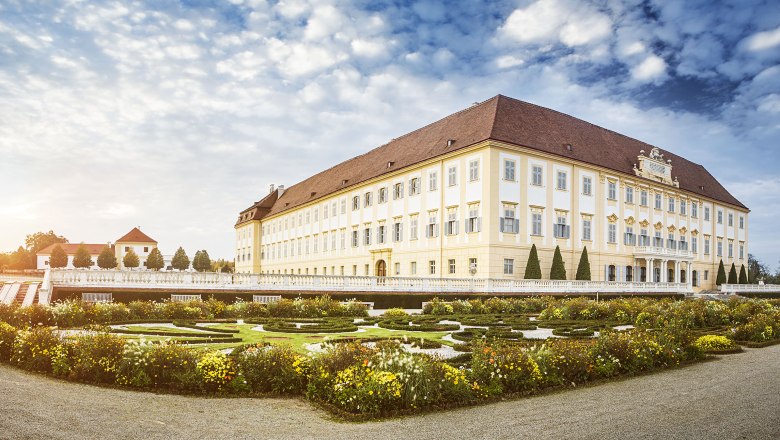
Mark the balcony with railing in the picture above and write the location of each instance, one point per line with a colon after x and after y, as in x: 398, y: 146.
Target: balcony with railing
x: 663, y: 252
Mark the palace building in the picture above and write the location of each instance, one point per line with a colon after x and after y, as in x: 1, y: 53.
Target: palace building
x: 468, y: 195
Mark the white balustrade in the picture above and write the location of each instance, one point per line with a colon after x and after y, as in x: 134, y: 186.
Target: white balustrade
x: 662, y: 252
x: 282, y: 282
x: 749, y: 288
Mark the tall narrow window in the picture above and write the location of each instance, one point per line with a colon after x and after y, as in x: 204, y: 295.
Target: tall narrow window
x: 433, y: 180
x: 432, y: 267
x: 451, y: 227
x: 683, y: 207
x: 731, y: 219
x: 586, y: 186
x: 474, y: 222
x: 414, y: 186
x: 694, y: 210
x: 413, y: 227
x: 473, y: 170
x: 398, y: 191
x: 452, y: 176
x: 509, y: 170
x: 586, y: 227
x: 706, y: 213
x: 741, y: 222
x: 612, y: 233
x: 355, y: 206
x: 643, y: 198
x: 509, y: 266
x: 432, y: 229
x: 561, y: 180
x: 671, y: 204
x: 658, y: 201
x: 382, y: 195
x: 536, y: 223
x: 368, y: 199
x: 629, y: 194
x: 536, y: 175
x: 451, y: 265
x: 612, y: 191
x: 398, y: 232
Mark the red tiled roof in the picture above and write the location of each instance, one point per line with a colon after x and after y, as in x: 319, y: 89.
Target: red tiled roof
x: 136, y: 236
x: 70, y: 248
x: 502, y: 119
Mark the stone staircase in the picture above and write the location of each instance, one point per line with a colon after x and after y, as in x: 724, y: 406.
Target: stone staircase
x: 24, y: 294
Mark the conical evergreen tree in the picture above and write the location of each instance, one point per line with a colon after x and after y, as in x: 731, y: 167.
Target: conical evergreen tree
x: 721, y: 279
x: 743, y: 279
x: 180, y: 260
x: 733, y: 275
x: 106, y: 259
x: 583, y: 269
x: 532, y: 270
x: 58, y: 257
x: 82, y: 259
x: 155, y: 260
x: 131, y: 259
x: 558, y: 269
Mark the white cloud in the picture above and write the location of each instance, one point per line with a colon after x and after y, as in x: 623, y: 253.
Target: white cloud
x: 571, y: 23
x: 763, y: 40
x: 507, y: 61
x: 653, y: 68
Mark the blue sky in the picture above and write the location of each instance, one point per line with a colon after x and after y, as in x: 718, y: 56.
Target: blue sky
x: 174, y: 116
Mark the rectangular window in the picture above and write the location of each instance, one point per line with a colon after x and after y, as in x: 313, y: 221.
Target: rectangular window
x: 720, y: 248
x: 536, y: 223
x: 643, y: 198
x: 146, y: 248
x: 629, y: 239
x: 451, y: 226
x: 706, y: 213
x: 316, y: 242
x: 324, y: 242
x: 474, y: 222
x: 472, y: 265
x: 398, y: 233
x: 706, y: 245
x: 731, y: 249
x: 355, y: 238
x: 333, y: 240
x: 368, y: 199
x: 741, y: 222
x: 536, y: 175
x: 432, y: 267
x: 366, y: 269
x: 612, y: 191
x: 731, y: 219
x: 509, y: 170
x: 509, y: 266
x: 397, y: 269
x: 670, y: 241
x: 413, y: 228
x: 629, y: 195
x: 367, y: 236
x: 433, y: 180
x: 683, y: 207
x: 741, y: 251
x: 658, y: 201
x: 561, y: 180
x: 398, y: 191
x: 586, y: 186
x: 324, y: 215
x: 452, y: 176
x: 473, y: 170
x: 706, y: 275
x: 354, y: 270
x: 694, y: 244
x: 451, y: 265
x: 432, y: 229
x: 612, y: 233
x: 343, y: 208
x: 332, y: 211
x: 380, y: 234
x: 561, y: 229
x: 671, y: 204
x: 694, y: 210
x: 413, y: 268
x: 586, y: 226
x: 508, y: 223
x: 316, y: 215
x: 720, y: 217
x: 382, y: 195
x: 355, y: 206
x: 414, y: 186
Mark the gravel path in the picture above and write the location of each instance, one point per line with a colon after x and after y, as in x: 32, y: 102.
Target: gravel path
x: 736, y: 396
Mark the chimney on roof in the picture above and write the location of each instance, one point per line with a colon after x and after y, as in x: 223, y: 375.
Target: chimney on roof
x: 281, y: 190
x: 272, y: 189
x: 450, y: 142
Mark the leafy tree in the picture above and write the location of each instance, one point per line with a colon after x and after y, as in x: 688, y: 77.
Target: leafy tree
x: 41, y: 240
x: 532, y: 270
x: 226, y: 269
x: 733, y: 275
x: 180, y: 260
x: 743, y: 279
x: 82, y: 259
x: 201, y: 262
x: 58, y: 257
x: 721, y: 279
x: 106, y: 259
x: 583, y: 269
x: 155, y: 260
x: 756, y: 270
x: 558, y: 269
x: 22, y: 259
x: 131, y: 260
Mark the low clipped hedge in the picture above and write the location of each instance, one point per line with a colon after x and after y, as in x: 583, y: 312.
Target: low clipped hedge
x: 468, y: 334
x: 193, y: 325
x: 329, y: 326
x: 173, y: 334
x: 574, y: 333
x: 421, y: 327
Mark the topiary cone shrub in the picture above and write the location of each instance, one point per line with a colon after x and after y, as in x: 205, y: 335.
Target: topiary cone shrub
x: 721, y: 279
x: 583, y: 269
x: 733, y: 275
x: 558, y: 270
x: 532, y: 270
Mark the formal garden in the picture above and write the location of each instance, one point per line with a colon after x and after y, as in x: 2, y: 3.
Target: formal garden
x: 358, y: 365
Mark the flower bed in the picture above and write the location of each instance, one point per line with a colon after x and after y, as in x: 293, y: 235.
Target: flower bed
x: 716, y: 344
x: 573, y: 333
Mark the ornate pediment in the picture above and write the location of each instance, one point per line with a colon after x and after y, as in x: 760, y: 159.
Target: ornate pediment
x: 653, y: 167
x: 694, y: 232
x: 659, y: 226
x: 683, y: 230
x: 630, y: 220
x: 612, y: 218
x: 671, y: 228
x: 644, y: 223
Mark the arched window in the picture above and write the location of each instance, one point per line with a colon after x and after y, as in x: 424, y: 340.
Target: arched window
x: 629, y: 273
x: 611, y: 272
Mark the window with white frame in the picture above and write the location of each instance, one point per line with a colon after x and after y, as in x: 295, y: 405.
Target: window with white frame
x: 720, y: 217
x: 561, y: 181
x: 587, y: 186
x: 473, y: 170
x: 629, y: 239
x: 694, y: 244
x: 355, y: 238
x: 658, y: 241
x: 414, y: 186
x: 306, y: 242
x: 741, y: 222
x: 658, y: 201
x: 536, y: 175
x: 508, y: 223
x: 474, y: 221
x: 612, y: 191
x: 509, y: 170
x: 451, y: 265
x: 343, y: 207
x: 432, y: 267
x: 432, y: 228
x: 472, y: 264
x: 706, y: 245
x: 398, y: 191
x: 380, y: 234
x: 731, y: 219
x: 413, y: 227
x: 741, y: 250
x: 629, y: 194
x: 433, y: 181
x: 536, y: 223
x: 316, y: 242
x: 671, y: 243
x: 333, y: 240
x: 643, y: 197
x: 398, y: 231
x: 324, y: 242
x: 706, y: 213
x: 683, y: 243
x: 368, y: 199
x: 413, y: 268
x: 509, y: 266
x: 683, y: 207
x: 367, y: 236
x: 731, y: 248
x: 694, y: 210
x: 451, y: 226
x: 560, y: 228
x: 382, y: 195
x: 355, y: 206
x: 343, y: 238
x: 586, y: 228
x: 452, y: 176
x: 612, y: 233
x: 316, y: 215
x: 332, y: 209
x: 720, y: 247
x: 671, y: 204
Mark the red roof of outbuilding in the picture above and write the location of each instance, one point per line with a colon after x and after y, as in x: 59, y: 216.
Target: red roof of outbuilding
x: 70, y: 248
x: 136, y: 236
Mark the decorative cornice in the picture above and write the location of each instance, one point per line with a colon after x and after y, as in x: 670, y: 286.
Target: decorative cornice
x: 630, y: 220
x: 659, y: 225
x: 612, y: 218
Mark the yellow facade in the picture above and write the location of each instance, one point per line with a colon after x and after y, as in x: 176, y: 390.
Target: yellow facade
x: 546, y: 190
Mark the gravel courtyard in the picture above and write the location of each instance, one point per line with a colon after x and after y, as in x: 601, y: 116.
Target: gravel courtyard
x: 736, y: 396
